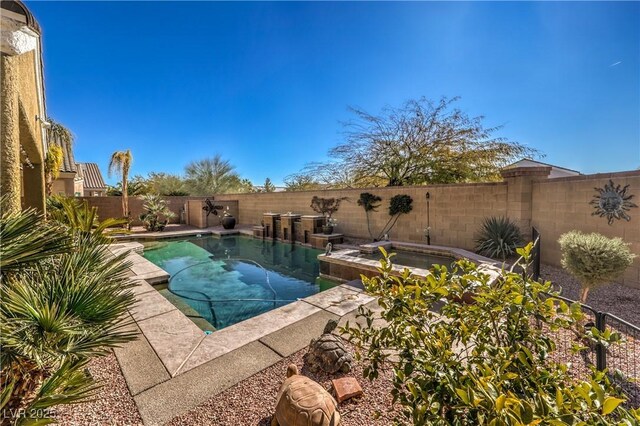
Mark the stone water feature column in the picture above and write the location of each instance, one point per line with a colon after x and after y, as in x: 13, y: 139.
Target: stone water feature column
x: 310, y: 224
x: 270, y: 224
x: 287, y: 226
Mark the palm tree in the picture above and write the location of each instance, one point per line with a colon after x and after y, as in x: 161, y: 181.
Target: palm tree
x: 63, y: 298
x: 212, y: 176
x: 121, y: 163
x: 59, y: 136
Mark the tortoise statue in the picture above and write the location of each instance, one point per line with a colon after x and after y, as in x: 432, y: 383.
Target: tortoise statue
x: 303, y: 402
x: 328, y: 353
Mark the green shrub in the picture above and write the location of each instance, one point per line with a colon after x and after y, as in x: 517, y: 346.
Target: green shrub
x: 498, y: 238
x: 484, y: 362
x: 593, y: 258
x: 64, y: 297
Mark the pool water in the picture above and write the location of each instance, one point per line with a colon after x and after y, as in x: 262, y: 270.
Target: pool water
x: 411, y: 259
x: 218, y: 282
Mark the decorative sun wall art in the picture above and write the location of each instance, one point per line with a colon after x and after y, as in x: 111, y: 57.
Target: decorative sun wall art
x: 612, y: 202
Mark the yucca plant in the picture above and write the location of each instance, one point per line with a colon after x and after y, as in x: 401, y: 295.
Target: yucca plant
x: 63, y: 300
x: 498, y: 238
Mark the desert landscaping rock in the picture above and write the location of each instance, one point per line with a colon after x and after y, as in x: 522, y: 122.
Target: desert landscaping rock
x: 346, y: 387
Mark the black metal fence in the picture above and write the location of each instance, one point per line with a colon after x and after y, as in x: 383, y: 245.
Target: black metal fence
x: 621, y: 359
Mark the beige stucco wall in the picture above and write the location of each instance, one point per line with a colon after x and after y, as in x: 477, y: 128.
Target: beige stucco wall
x: 65, y: 184
x: 19, y: 106
x: 562, y: 205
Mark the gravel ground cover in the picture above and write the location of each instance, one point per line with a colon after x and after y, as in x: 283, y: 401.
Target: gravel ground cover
x: 112, y: 405
x: 619, y: 300
x: 252, y: 401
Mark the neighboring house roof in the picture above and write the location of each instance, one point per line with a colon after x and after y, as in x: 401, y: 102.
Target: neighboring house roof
x: 92, y: 176
x: 556, y: 171
x: 68, y: 160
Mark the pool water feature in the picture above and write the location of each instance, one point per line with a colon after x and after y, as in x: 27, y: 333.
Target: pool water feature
x: 220, y: 281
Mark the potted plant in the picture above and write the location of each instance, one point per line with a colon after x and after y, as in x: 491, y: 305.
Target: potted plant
x: 327, y: 229
x: 326, y: 207
x: 228, y: 221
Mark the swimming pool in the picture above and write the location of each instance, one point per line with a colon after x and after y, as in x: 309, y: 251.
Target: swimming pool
x: 220, y: 281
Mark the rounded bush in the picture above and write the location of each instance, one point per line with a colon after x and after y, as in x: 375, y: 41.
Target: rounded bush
x: 593, y: 258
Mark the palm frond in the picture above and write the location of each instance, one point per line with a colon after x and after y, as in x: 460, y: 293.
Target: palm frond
x: 26, y: 239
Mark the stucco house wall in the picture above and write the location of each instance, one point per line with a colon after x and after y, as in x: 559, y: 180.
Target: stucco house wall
x: 22, y: 138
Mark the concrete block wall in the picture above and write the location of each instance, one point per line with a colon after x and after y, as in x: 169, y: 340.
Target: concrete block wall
x: 561, y: 205
x: 111, y: 206
x: 456, y: 211
x: 553, y: 206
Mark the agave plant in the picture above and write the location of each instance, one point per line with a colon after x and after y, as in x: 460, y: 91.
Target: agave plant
x: 63, y: 300
x: 498, y: 238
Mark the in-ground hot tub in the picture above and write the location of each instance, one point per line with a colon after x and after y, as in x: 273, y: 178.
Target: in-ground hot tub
x: 348, y: 265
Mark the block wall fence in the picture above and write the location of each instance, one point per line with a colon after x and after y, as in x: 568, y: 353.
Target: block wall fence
x: 456, y: 211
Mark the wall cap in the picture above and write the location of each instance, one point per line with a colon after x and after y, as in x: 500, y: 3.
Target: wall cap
x: 525, y: 171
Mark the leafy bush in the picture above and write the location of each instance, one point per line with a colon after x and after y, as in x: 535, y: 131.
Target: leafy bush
x: 370, y: 203
x: 498, y: 238
x: 593, y: 258
x: 484, y: 362
x: 158, y: 213
x: 63, y: 299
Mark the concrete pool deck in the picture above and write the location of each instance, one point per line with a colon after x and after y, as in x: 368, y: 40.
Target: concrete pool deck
x: 174, y: 366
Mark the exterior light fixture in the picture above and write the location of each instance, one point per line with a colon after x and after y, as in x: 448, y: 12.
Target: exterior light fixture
x: 46, y: 124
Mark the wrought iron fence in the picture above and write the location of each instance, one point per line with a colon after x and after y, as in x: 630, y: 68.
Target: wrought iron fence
x: 621, y: 359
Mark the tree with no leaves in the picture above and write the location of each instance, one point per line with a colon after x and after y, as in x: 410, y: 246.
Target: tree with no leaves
x: 421, y: 142
x: 121, y: 163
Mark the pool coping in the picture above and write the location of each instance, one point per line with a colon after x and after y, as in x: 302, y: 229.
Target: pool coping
x: 192, y: 232
x: 171, y: 346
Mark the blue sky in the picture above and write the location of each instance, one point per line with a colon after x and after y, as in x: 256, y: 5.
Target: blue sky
x: 266, y: 85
